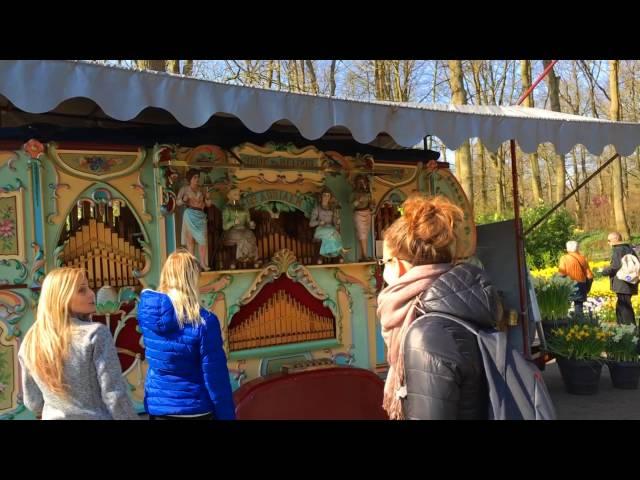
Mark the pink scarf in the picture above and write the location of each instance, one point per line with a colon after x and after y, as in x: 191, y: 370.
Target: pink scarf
x: 396, y: 310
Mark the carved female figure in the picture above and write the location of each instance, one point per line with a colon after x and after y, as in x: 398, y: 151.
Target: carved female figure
x: 363, y: 206
x: 326, y: 218
x: 194, y: 220
x: 237, y: 226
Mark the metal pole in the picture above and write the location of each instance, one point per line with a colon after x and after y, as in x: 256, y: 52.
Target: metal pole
x: 538, y: 80
x: 567, y: 197
x: 518, y: 222
x: 519, y: 250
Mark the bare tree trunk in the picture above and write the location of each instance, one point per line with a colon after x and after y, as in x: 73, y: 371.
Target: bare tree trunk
x: 156, y: 65
x: 493, y: 83
x: 594, y: 112
x: 377, y: 76
x: 332, y: 78
x: 625, y: 166
x: 485, y: 92
x: 586, y: 198
x: 249, y: 74
x: 295, y: 76
x: 270, y: 71
x: 600, y: 179
x: 504, y: 82
x: 173, y: 66
x: 388, y: 92
x: 475, y: 70
x: 392, y: 79
x: 592, y: 88
x: 625, y: 181
x: 502, y: 187
x: 463, y: 154
x: 435, y: 82
x: 312, y: 77
x: 536, y: 183
x: 298, y: 76
x: 520, y: 162
x: 484, y: 200
x: 303, y: 77
x: 187, y: 68
x: 554, y: 99
x: 582, y: 195
x: 409, y: 66
x: 498, y: 166
x: 550, y: 180
x: 396, y: 81
x: 618, y: 205
x: 292, y: 73
x: 279, y: 74
x: 578, y: 195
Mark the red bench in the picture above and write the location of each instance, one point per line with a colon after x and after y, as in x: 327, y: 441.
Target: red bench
x: 337, y: 393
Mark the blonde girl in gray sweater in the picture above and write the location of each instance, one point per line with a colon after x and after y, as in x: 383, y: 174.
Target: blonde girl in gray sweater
x: 70, y: 367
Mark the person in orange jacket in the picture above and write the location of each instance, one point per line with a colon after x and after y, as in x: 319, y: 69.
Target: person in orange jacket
x: 575, y: 266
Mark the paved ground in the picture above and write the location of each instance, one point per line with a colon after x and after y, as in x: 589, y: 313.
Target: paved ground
x: 608, y: 404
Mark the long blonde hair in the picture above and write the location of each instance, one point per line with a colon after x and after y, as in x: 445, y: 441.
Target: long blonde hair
x: 179, y: 280
x: 46, y: 344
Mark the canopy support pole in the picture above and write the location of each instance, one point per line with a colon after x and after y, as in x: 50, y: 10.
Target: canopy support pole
x: 518, y: 224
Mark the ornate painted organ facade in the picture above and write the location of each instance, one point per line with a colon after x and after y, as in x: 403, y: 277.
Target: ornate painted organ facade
x: 285, y: 274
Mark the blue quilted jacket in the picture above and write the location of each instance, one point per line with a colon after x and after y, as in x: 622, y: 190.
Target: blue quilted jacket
x: 188, y: 371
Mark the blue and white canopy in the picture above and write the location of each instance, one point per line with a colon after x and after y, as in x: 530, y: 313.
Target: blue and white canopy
x: 76, y: 88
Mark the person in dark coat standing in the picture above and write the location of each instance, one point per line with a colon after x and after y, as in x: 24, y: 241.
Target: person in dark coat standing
x: 436, y: 370
x: 623, y: 290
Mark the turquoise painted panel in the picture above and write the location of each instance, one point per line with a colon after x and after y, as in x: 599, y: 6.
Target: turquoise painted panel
x: 22, y: 171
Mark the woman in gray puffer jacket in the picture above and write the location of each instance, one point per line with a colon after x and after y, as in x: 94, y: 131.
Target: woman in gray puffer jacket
x: 436, y: 369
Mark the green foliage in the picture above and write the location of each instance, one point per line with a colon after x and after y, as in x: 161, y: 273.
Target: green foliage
x: 579, y: 342
x: 553, y: 295
x: 622, y: 341
x: 547, y: 242
x: 492, y: 217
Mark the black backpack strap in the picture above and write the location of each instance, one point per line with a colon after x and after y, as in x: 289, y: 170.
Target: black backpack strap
x: 424, y: 313
x: 453, y: 319
x: 501, y: 346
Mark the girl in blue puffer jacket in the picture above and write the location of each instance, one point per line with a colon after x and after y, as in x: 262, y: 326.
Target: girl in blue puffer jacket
x: 188, y: 376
